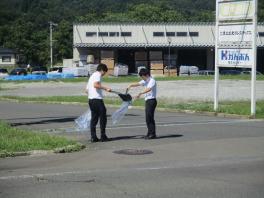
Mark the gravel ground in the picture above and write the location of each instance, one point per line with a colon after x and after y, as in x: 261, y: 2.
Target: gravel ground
x: 185, y: 90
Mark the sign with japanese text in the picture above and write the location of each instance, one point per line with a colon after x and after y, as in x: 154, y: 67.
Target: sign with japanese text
x: 235, y: 10
x: 235, y: 57
x: 233, y: 34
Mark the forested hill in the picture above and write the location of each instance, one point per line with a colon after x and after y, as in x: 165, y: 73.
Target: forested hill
x: 24, y: 23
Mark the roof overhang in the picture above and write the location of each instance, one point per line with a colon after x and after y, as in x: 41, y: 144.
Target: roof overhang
x: 140, y: 45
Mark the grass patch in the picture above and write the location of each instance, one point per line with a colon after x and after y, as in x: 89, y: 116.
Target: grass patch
x: 127, y: 79
x: 19, y: 140
x: 228, y: 107
x: 3, y: 89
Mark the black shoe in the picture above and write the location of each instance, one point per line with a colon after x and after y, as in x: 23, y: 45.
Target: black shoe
x: 146, y: 137
x: 152, y: 136
x: 94, y: 139
x: 104, y: 138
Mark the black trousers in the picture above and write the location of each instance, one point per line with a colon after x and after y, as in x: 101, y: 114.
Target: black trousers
x: 150, y: 106
x: 98, y: 110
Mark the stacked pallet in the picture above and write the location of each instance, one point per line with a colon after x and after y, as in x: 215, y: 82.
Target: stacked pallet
x: 141, y: 60
x: 186, y: 70
x: 170, y: 60
x: 107, y: 58
x: 120, y: 70
x: 91, y: 68
x: 193, y: 70
x: 156, y: 63
x: 172, y: 71
x: 90, y: 59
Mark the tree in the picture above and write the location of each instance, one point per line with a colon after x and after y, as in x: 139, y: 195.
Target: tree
x: 63, y: 39
x: 24, y: 23
x: 261, y: 11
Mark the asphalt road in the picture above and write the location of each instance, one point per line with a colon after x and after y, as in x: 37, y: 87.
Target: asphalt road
x: 193, y: 156
x: 174, y: 91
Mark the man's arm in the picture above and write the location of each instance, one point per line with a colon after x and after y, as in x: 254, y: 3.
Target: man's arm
x: 143, y: 92
x: 133, y: 85
x: 149, y: 87
x: 98, y: 85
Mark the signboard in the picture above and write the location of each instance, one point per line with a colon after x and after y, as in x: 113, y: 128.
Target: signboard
x: 235, y: 34
x: 235, y: 58
x: 235, y: 10
x: 235, y: 43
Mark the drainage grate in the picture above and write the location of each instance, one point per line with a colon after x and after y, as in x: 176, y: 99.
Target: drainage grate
x: 133, y: 152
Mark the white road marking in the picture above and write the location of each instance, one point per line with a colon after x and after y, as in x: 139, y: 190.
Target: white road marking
x: 158, y: 124
x: 183, y: 124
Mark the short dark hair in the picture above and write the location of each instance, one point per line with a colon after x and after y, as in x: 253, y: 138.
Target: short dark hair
x: 102, y: 67
x: 144, y: 72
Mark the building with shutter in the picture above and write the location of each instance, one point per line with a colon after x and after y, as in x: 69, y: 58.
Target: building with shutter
x: 153, y: 45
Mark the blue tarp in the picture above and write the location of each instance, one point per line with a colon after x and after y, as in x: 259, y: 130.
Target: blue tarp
x: 39, y: 77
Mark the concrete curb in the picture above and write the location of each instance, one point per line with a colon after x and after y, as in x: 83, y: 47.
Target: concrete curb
x: 66, y: 149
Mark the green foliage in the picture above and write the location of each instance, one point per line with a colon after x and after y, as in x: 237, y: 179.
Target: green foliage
x: 152, y: 13
x: 260, y: 10
x: 63, y: 39
x: 24, y: 23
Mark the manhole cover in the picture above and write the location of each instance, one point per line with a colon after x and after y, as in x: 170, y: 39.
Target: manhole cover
x: 133, y: 152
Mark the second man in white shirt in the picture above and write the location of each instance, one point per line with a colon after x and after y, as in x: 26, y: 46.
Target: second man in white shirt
x: 150, y: 92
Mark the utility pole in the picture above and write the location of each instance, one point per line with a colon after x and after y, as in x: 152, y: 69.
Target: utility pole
x: 51, y: 42
x: 169, y: 67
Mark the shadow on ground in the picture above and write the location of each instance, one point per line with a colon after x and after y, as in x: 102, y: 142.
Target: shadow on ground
x: 142, y: 137
x: 45, y: 121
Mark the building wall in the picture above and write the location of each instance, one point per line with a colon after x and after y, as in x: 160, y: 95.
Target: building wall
x: 7, y: 59
x: 260, y: 60
x: 142, y: 34
x: 210, y: 62
x: 195, y: 50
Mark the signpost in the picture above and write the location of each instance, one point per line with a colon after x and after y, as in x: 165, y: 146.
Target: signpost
x: 51, y: 41
x: 235, y: 44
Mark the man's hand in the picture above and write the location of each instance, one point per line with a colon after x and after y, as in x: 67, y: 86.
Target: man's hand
x: 127, y: 89
x: 108, y: 89
x: 138, y: 96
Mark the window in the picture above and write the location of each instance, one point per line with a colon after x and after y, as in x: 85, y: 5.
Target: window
x: 181, y: 33
x: 261, y: 34
x: 90, y: 34
x: 113, y: 34
x: 193, y: 33
x: 126, y: 34
x: 158, y: 33
x: 6, y: 59
x: 103, y: 34
x: 170, y: 33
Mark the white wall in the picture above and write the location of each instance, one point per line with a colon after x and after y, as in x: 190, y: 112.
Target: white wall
x: 143, y: 34
x: 11, y: 63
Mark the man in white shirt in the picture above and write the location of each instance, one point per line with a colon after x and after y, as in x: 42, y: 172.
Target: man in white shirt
x: 150, y: 97
x: 94, y: 89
